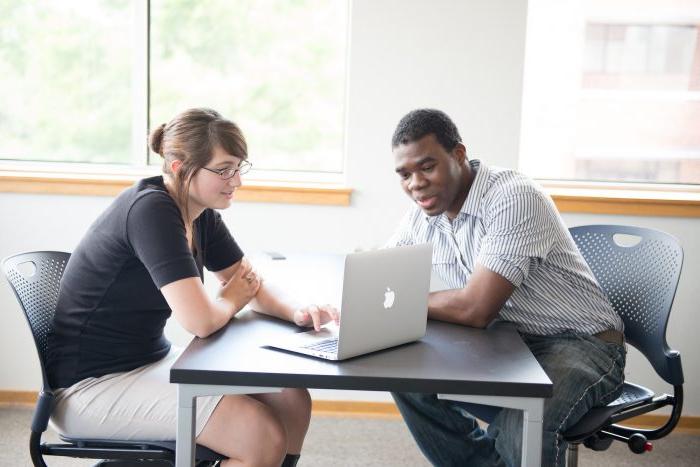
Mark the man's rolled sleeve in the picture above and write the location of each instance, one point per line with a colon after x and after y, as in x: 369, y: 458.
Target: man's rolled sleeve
x: 513, y: 269
x: 519, y: 236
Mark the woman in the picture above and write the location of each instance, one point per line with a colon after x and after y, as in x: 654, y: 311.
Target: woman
x: 142, y: 260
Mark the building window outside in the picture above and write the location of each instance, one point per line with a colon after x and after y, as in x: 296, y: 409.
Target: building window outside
x: 277, y: 68
x: 624, y: 100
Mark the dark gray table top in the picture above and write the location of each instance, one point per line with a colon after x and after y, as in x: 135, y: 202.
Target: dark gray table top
x: 450, y: 359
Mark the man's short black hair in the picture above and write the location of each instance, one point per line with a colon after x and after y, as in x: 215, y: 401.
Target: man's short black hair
x: 421, y: 122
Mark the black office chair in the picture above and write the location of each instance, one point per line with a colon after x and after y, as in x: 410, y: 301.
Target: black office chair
x: 35, y: 277
x: 640, y: 280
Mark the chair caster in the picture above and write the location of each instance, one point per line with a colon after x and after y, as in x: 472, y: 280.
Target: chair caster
x: 638, y: 444
x: 597, y: 443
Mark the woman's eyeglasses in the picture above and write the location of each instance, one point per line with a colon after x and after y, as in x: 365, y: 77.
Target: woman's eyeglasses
x: 230, y: 172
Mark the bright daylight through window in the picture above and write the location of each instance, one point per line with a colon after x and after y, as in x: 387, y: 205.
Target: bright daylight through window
x: 66, y: 81
x: 612, y: 91
x: 275, y: 67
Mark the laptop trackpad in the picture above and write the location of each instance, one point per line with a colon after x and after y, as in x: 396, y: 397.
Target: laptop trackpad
x: 326, y: 332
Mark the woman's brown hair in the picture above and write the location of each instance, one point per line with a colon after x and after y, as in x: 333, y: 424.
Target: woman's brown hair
x: 191, y: 138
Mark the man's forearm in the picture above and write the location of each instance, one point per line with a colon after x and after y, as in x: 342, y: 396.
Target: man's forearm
x: 477, y: 304
x: 454, y: 307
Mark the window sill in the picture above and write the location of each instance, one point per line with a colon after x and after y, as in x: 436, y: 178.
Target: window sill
x: 110, y: 184
x: 572, y: 197
x: 620, y: 199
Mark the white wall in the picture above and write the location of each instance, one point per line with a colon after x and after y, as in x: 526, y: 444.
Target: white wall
x: 463, y: 57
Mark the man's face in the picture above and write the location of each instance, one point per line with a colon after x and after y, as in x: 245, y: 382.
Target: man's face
x: 431, y: 175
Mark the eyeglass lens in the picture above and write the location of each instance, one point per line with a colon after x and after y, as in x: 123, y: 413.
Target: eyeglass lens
x: 243, y: 167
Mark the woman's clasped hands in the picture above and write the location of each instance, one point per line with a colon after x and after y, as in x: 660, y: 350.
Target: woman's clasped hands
x: 242, y: 287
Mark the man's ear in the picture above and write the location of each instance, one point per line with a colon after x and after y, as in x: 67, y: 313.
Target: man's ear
x: 175, y: 165
x: 460, y: 153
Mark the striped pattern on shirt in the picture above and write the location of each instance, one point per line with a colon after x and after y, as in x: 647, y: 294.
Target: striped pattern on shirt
x: 510, y: 226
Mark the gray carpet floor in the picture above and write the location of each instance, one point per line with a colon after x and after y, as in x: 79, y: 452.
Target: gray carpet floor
x: 367, y: 442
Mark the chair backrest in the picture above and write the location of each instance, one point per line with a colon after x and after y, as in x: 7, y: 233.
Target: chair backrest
x: 35, y: 278
x: 640, y: 281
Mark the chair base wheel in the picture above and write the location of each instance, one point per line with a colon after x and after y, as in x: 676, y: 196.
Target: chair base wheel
x: 597, y: 443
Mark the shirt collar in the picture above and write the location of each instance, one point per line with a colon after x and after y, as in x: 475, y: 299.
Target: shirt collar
x: 470, y: 207
x: 478, y: 188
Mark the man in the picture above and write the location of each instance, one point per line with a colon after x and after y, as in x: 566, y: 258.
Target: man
x: 504, y: 251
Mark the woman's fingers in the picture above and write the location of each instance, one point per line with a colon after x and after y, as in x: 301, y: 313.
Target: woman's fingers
x: 315, y: 315
x: 329, y: 313
x: 245, y: 268
x: 255, y: 284
x: 301, y: 317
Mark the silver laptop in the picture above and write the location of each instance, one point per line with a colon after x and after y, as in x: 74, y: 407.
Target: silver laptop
x: 384, y: 304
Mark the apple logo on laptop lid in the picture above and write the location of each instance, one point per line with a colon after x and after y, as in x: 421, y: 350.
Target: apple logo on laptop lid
x: 389, y: 297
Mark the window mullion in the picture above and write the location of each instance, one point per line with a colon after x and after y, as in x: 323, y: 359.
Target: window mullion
x: 139, y: 80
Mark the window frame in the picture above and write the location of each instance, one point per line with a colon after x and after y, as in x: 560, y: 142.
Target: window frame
x: 624, y: 198
x: 304, y: 187
x: 569, y: 196
x: 35, y: 176
x: 618, y: 197
x: 107, y: 180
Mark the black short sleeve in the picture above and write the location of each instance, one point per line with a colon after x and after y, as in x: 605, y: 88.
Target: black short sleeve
x: 155, y: 231
x: 220, y: 249
x: 111, y: 314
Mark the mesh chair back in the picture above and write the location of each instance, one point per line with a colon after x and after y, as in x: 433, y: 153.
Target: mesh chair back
x: 35, y: 278
x: 640, y: 281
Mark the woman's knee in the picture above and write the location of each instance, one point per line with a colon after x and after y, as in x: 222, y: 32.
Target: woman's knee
x: 273, y: 446
x: 298, y: 408
x: 300, y: 401
x: 269, y: 434
x: 248, y: 430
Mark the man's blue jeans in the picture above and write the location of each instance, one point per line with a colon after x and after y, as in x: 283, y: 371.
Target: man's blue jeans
x: 586, y: 372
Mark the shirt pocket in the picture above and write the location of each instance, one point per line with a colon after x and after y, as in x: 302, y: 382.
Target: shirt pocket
x: 445, y: 265
x: 444, y: 256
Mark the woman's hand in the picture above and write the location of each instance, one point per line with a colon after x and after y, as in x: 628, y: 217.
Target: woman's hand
x: 314, y: 315
x: 242, y: 286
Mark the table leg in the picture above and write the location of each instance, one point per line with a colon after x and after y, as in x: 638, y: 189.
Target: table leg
x: 186, y: 418
x: 187, y: 414
x: 532, y: 433
x: 532, y: 408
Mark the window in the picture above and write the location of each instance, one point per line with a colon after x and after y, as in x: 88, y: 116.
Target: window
x: 276, y: 67
x: 66, y: 81
x: 72, y: 77
x: 617, y: 94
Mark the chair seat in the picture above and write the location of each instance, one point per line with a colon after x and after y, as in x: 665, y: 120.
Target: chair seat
x: 598, y: 417
x: 202, y: 453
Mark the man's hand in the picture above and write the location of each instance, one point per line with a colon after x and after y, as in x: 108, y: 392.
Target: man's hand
x: 315, y: 315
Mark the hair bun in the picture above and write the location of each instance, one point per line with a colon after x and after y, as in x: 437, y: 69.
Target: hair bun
x: 156, y: 139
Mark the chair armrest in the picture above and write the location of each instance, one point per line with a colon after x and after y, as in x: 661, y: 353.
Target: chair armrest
x: 42, y: 411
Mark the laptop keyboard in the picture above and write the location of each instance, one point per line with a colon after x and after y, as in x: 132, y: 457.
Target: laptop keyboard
x: 327, y: 345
